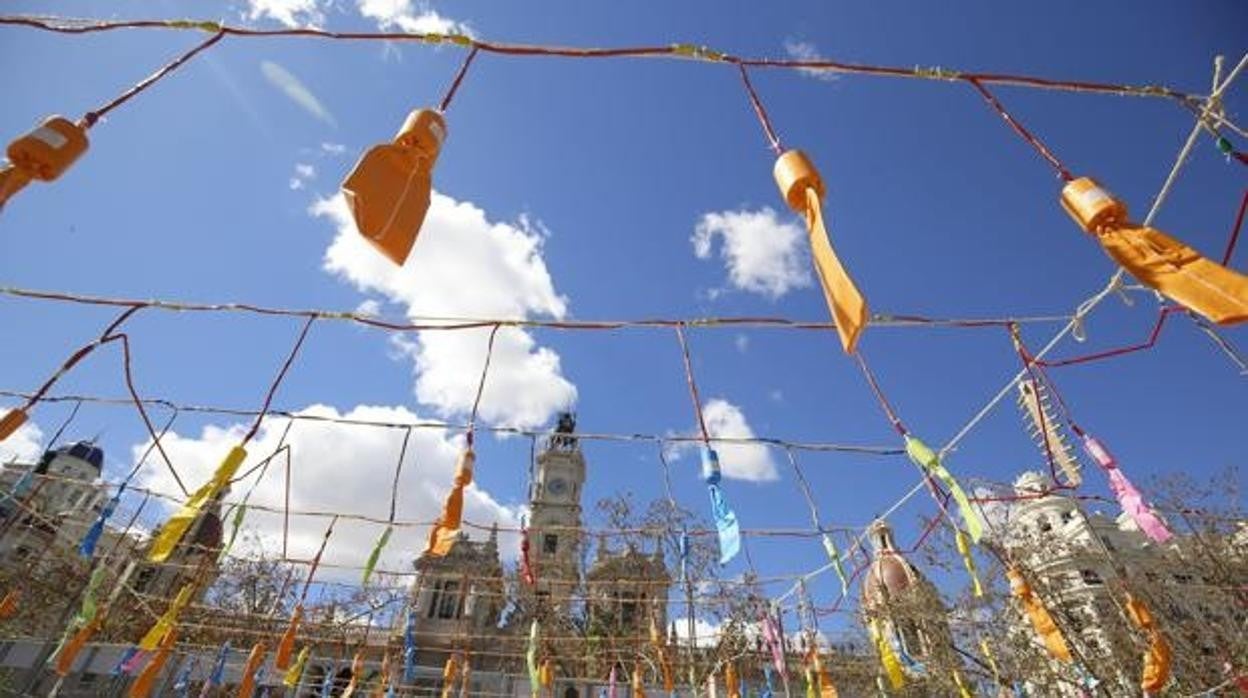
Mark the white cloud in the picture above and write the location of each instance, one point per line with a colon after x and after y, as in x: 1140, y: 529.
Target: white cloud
x: 741, y: 342
x: 465, y: 265
x: 347, y: 469
x: 292, y: 13
x: 750, y: 461
x: 304, y: 173
x: 762, y: 253
x: 409, y: 16
x: 23, y: 445
x: 806, y: 51
x: 333, y: 148
x: 293, y: 88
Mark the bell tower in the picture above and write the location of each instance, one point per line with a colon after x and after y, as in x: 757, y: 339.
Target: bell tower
x: 555, y: 531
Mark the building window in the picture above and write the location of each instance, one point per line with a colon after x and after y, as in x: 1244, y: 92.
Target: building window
x: 550, y: 543
x: 1091, y: 578
x: 1184, y: 578
x: 1045, y: 525
x: 444, y: 604
x: 1068, y: 516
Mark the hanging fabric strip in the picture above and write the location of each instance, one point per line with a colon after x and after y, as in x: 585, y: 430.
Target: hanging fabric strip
x: 1041, y: 621
x: 449, y: 671
x: 802, y: 188
x: 827, y: 689
x: 1159, y: 261
x: 409, y: 647
x: 327, y: 684
x: 683, y: 549
x: 964, y: 549
x: 86, y: 548
x: 1157, y: 659
x: 167, y: 620
x: 89, y: 608
x: 171, y: 532
x: 1129, y: 498
x: 526, y: 564
x: 665, y: 666
x: 888, y: 659
x: 236, y: 522
x: 216, y: 677
x: 376, y: 553
x: 771, y: 636
x: 639, y: 682
x: 286, y: 646
x: 927, y: 459
x: 530, y: 659
x: 143, y: 685
x: 834, y: 556
x: 69, y: 651
x: 247, y: 685
x: 769, y: 688
x: 963, y: 690
x: 182, y: 682
x: 357, y: 672
x: 725, y: 519
x: 732, y: 685
x: 992, y: 661
x: 812, y: 689
x: 291, y: 678
x: 443, y: 535
x: 611, y: 680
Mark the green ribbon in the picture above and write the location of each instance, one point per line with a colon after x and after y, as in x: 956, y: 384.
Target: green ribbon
x: 373, y: 556
x: 927, y: 459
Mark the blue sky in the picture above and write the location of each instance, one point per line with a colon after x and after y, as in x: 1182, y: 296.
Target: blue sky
x: 575, y: 189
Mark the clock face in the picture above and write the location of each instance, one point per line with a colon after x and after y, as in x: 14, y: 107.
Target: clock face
x: 557, y: 486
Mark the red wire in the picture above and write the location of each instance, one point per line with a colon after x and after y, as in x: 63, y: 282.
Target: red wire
x: 91, y: 117
x: 1239, y: 222
x: 572, y: 52
x: 879, y: 394
x: 772, y: 139
x: 459, y: 77
x: 693, y: 385
x: 1021, y: 130
x: 268, y: 397
x: 1147, y: 344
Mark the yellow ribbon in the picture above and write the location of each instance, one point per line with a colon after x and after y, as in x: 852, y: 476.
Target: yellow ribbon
x: 291, y: 678
x: 171, y: 533
x: 165, y: 623
x: 888, y: 658
x: 964, y: 549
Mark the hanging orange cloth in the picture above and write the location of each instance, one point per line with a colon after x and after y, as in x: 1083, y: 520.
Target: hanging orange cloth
x: 803, y: 190
x: 1157, y: 659
x: 8, y: 605
x: 443, y: 535
x: 171, y: 532
x: 248, y: 683
x: 44, y: 154
x: 286, y: 646
x: 732, y: 685
x: 639, y: 681
x: 1159, y: 261
x: 11, y: 421
x: 389, y: 189
x: 357, y: 673
x: 827, y: 689
x: 449, y: 672
x: 1041, y: 621
x: 665, y: 665
x: 143, y: 685
x: 69, y: 651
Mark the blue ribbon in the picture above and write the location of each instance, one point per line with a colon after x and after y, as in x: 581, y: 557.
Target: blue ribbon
x: 87, y: 547
x: 409, y: 647
x: 327, y: 684
x: 769, y: 690
x: 684, y: 556
x: 182, y: 684
x: 725, y: 518
x: 217, y: 676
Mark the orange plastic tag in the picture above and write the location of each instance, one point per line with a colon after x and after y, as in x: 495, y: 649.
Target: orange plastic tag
x: 12, y: 420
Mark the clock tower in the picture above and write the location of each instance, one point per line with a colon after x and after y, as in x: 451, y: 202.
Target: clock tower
x: 555, y: 533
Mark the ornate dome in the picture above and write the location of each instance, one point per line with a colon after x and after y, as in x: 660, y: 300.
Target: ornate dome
x: 890, y: 574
